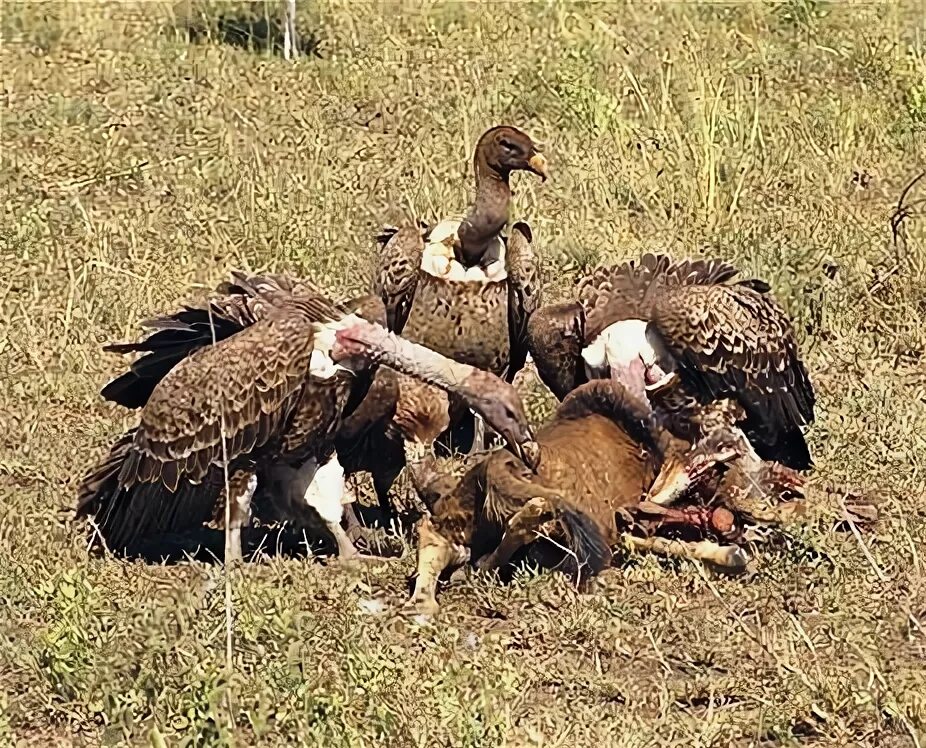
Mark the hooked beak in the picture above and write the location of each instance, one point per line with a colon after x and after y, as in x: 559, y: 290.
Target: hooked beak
x: 538, y: 165
x: 529, y: 452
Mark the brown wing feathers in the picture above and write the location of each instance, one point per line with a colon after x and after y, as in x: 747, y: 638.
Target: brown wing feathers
x: 160, y: 476
x: 122, y: 517
x: 730, y: 340
x: 629, y: 290
x: 734, y: 341
x: 401, y: 251
x: 523, y: 295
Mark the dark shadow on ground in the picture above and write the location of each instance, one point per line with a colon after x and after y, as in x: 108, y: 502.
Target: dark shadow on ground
x: 208, y: 546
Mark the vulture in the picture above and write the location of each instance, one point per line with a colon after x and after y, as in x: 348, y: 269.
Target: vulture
x: 602, y: 450
x: 708, y: 353
x: 462, y: 287
x: 251, y: 390
x: 397, y: 422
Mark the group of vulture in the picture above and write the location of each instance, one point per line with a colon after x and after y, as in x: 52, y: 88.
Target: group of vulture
x: 679, y: 430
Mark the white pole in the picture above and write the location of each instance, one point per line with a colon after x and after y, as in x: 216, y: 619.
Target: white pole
x: 290, y: 40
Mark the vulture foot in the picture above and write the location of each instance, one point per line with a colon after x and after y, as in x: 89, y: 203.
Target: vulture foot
x: 370, y: 537
x: 355, y: 530
x: 355, y: 562
x: 346, y: 548
x: 461, y: 574
x: 423, y: 606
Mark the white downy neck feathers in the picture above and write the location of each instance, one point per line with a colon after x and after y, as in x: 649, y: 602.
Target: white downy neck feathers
x: 321, y: 366
x: 618, y: 345
x: 438, y: 258
x: 326, y: 490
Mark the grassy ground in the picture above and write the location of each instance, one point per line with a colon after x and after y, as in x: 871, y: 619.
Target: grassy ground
x: 138, y: 163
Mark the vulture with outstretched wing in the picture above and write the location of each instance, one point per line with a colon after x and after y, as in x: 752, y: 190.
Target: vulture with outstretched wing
x: 709, y: 352
x: 254, y: 387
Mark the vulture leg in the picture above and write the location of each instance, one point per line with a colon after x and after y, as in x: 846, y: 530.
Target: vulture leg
x: 522, y: 529
x: 346, y: 548
x: 435, y: 553
x: 729, y: 556
x: 353, y: 525
x: 241, y: 487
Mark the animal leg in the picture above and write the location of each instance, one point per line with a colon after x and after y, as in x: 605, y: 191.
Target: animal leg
x: 521, y: 530
x: 729, y: 556
x: 435, y: 553
x: 240, y: 490
x: 479, y: 435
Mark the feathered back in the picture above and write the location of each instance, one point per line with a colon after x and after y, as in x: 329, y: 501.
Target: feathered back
x: 241, y: 303
x: 629, y: 290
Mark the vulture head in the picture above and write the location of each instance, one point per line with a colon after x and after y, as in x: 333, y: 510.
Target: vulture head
x: 682, y: 470
x: 500, y: 406
x: 491, y: 397
x: 504, y: 149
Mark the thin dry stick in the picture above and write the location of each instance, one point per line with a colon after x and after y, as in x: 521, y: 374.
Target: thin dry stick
x: 882, y: 577
x: 229, y: 609
x: 901, y: 213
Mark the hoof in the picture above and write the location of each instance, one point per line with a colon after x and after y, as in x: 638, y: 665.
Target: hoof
x: 424, y: 607
x: 460, y: 575
x: 736, y: 558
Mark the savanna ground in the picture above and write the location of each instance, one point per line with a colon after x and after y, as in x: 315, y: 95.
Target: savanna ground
x: 141, y: 162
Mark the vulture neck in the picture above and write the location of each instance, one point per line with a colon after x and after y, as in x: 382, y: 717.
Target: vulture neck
x: 383, y: 347
x: 488, y: 214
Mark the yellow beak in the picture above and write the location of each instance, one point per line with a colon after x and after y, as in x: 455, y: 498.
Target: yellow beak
x: 538, y: 165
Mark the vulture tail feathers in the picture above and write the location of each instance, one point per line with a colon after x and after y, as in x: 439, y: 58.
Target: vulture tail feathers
x: 787, y: 446
x: 124, y: 511
x: 123, y: 519
x: 104, y: 477
x: 163, y: 350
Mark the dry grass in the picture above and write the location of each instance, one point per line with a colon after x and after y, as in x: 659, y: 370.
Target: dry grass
x: 137, y: 163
